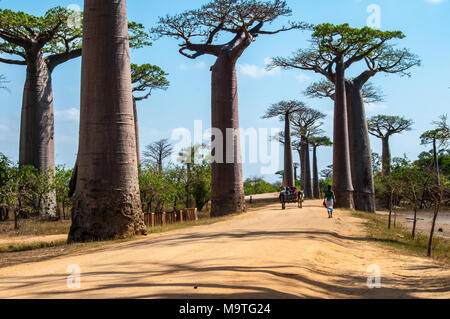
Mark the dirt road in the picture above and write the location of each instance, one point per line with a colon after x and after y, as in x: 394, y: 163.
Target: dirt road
x: 267, y: 253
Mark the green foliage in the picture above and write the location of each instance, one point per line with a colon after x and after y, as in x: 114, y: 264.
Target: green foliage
x: 51, y: 31
x: 52, y: 34
x: 426, y: 160
x: 147, y: 77
x: 24, y: 189
x: 343, y: 39
x: 257, y: 185
x: 137, y: 36
x: 324, y: 183
x: 201, y: 184
x: 320, y: 141
x: 440, y: 135
x: 61, y: 182
x: 165, y: 189
x: 376, y: 163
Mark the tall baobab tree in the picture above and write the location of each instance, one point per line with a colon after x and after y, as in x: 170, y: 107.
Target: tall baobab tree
x: 361, y: 181
x: 439, y: 138
x: 107, y: 200
x: 158, y: 151
x: 145, y: 78
x: 41, y: 44
x: 244, y: 20
x: 306, y: 123
x: 284, y: 110
x: 317, y: 142
x: 335, y: 48
x: 383, y: 127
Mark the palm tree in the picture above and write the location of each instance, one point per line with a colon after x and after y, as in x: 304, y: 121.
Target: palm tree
x: 107, y: 200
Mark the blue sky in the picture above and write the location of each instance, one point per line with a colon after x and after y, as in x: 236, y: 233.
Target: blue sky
x: 423, y: 97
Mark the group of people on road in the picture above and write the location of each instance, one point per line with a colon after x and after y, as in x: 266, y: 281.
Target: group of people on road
x: 328, y: 201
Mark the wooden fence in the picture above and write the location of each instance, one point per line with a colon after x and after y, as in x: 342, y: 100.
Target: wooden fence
x: 162, y: 219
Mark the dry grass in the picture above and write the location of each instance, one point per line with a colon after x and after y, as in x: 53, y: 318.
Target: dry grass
x: 34, y: 227
x: 400, y: 238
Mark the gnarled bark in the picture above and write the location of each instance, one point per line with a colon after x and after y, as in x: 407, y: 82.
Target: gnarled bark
x: 136, y: 131
x: 386, y: 156
x: 308, y: 186
x: 360, y: 149
x: 289, y: 178
x: 107, y: 199
x: 316, y: 186
x: 342, y: 180
x: 37, y: 129
x: 226, y: 181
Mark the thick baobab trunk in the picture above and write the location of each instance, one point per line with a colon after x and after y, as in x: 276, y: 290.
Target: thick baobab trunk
x: 37, y: 143
x: 301, y: 155
x: 289, y: 178
x: 136, y: 131
x: 360, y: 150
x: 316, y: 186
x: 342, y: 179
x: 227, y: 187
x: 308, y: 185
x: 107, y: 199
x: 386, y: 156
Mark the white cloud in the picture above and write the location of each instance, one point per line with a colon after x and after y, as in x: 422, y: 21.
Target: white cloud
x: 70, y: 115
x: 256, y: 71
x: 196, y: 66
x: 435, y: 1
x: 302, y: 77
x: 376, y: 108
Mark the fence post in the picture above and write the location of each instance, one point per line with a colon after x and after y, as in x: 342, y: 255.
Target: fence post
x: 153, y: 219
x: 196, y: 214
x: 181, y: 216
x: 164, y: 218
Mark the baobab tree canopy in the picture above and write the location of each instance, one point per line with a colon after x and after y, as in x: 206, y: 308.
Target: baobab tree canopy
x: 146, y: 78
x: 242, y: 18
x: 326, y: 89
x: 331, y: 42
x: 50, y: 33
x: 385, y: 125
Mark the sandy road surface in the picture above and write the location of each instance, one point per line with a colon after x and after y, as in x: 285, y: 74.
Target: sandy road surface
x: 263, y: 254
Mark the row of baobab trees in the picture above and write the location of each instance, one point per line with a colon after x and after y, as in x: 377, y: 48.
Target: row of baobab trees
x: 105, y: 183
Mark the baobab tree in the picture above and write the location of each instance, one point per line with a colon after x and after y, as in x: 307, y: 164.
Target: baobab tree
x: 244, y: 20
x: 335, y: 48
x: 107, y: 200
x: 317, y: 142
x: 283, y: 110
x: 158, y: 151
x: 41, y: 44
x: 145, y: 78
x: 383, y: 127
x: 439, y: 138
x: 306, y: 123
